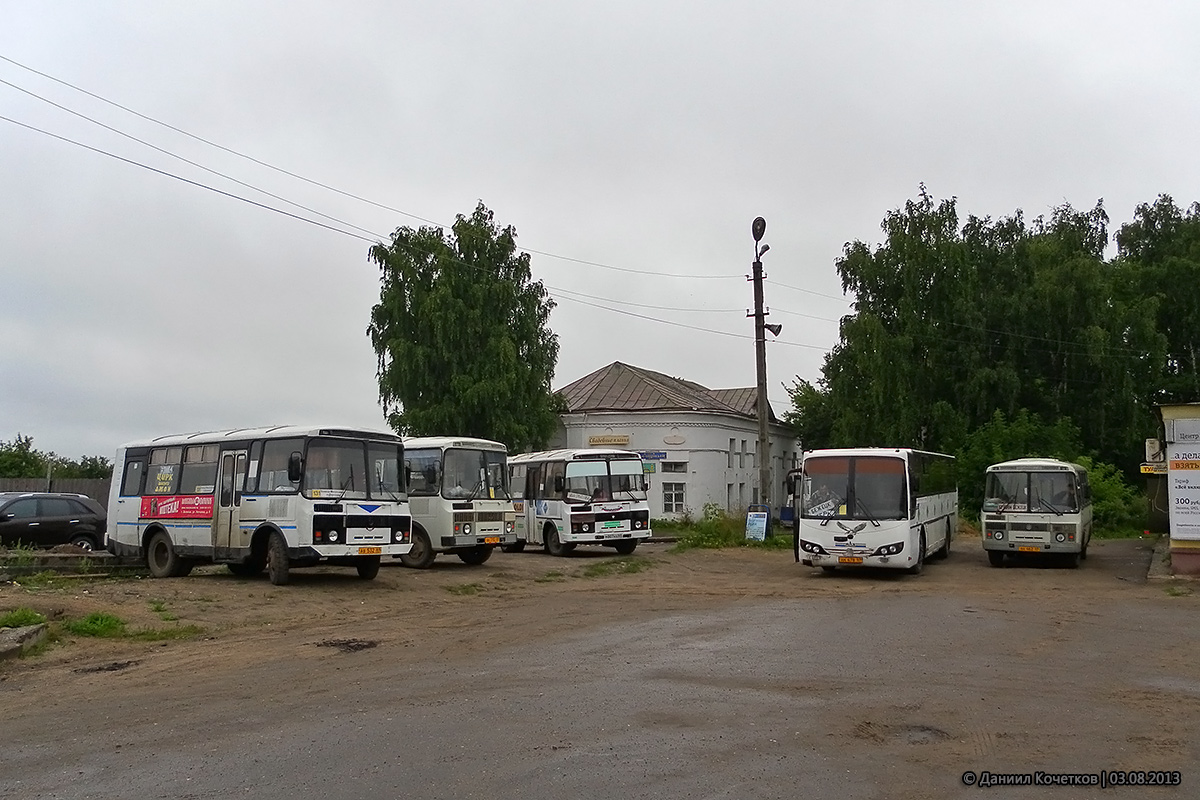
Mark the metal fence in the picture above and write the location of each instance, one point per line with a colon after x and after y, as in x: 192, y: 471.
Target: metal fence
x: 96, y: 488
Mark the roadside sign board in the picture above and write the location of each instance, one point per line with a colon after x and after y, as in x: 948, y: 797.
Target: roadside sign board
x: 756, y: 523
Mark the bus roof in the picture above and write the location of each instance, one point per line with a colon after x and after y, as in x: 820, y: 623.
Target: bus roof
x: 1035, y: 465
x: 464, y: 442
x: 902, y: 452
x: 268, y: 432
x: 575, y: 454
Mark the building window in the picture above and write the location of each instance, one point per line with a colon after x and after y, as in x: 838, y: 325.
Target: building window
x: 729, y: 506
x: 732, y: 448
x: 742, y: 456
x: 674, y: 466
x: 673, y: 497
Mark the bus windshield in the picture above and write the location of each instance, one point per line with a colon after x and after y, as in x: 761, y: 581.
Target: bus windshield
x: 1030, y: 491
x: 854, y: 487
x: 335, y: 468
x: 605, y: 480
x: 475, y: 474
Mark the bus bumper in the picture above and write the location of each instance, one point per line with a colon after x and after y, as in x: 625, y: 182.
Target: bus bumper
x: 602, y: 537
x: 474, y: 540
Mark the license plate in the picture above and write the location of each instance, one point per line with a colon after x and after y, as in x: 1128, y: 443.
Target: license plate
x: 370, y: 551
x: 491, y: 540
x: 849, y: 560
x: 1029, y: 549
x: 614, y: 524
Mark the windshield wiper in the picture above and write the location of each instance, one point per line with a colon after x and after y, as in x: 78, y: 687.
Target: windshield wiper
x: 346, y: 485
x: 1043, y: 501
x: 864, y: 508
x: 834, y: 515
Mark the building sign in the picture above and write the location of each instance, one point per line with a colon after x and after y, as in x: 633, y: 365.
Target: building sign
x: 608, y: 441
x: 648, y: 467
x: 655, y: 455
x: 756, y: 523
x: 1183, y: 479
x: 1155, y: 468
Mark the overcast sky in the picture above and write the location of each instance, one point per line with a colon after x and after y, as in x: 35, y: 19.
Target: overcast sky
x: 644, y: 136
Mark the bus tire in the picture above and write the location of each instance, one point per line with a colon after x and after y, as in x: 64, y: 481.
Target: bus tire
x: 1073, y: 560
x: 996, y: 558
x: 476, y: 555
x: 421, y: 555
x: 626, y: 547
x: 277, y: 560
x: 367, y: 566
x: 944, y: 551
x: 916, y: 568
x: 1083, y: 552
x: 161, y: 558
x: 554, y: 546
x: 515, y: 547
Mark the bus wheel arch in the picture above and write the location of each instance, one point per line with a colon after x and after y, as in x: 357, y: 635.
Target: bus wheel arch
x: 555, y: 546
x: 916, y: 568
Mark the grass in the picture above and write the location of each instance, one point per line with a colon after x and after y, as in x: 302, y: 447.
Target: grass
x: 20, y: 555
x: 99, y: 624
x: 159, y: 607
x: 1178, y: 591
x: 165, y: 634
x: 617, y: 566
x: 717, y: 529
x: 464, y: 588
x: 20, y: 618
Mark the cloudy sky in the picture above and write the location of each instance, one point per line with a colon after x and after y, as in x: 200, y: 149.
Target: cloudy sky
x: 631, y: 144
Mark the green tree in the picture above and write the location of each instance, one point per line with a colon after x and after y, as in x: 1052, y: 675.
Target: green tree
x: 19, y: 459
x: 461, y: 335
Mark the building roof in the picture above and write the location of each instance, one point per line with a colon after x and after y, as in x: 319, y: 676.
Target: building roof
x: 622, y: 387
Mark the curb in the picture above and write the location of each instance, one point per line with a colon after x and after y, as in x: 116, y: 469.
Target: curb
x: 1160, y: 562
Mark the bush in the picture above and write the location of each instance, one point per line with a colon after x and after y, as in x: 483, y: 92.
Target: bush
x: 1117, y: 507
x: 717, y: 529
x: 21, y: 617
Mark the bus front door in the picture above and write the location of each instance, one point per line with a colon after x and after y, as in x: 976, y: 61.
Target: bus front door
x: 229, y: 536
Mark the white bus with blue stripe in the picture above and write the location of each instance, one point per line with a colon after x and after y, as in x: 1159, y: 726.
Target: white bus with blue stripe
x: 566, y: 498
x: 874, y: 507
x: 261, y: 499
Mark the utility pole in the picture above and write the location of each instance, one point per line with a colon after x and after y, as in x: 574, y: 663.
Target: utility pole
x: 758, y: 228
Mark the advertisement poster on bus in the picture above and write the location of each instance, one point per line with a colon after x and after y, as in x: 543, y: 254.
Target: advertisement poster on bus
x: 184, y: 506
x: 1183, y: 479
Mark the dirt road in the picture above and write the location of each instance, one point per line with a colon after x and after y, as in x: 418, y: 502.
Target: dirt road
x: 904, y: 681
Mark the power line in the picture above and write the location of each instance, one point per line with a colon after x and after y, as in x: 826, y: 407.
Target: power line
x: 318, y: 183
x: 187, y: 180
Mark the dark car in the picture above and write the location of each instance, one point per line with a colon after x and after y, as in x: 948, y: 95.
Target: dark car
x: 44, y: 519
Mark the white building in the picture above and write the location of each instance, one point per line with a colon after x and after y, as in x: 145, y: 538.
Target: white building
x: 698, y: 443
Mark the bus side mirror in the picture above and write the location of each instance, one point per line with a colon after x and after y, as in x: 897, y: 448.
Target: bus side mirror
x: 558, y: 484
x: 295, y: 467
x: 790, y: 483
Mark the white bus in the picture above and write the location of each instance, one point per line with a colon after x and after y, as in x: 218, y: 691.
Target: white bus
x: 1036, y: 506
x: 260, y: 498
x: 458, y: 493
x: 566, y: 498
x: 873, y: 507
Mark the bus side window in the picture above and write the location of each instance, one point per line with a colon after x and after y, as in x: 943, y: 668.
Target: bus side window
x: 131, y: 486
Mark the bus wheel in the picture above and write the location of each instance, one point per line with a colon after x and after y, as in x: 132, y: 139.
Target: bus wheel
x: 421, y: 555
x: 555, y: 547
x: 1083, y: 552
x: 944, y: 550
x: 515, y: 547
x: 476, y: 555
x: 916, y: 568
x: 161, y: 558
x: 368, y: 567
x: 245, y: 569
x: 626, y: 546
x: 996, y: 558
x: 277, y: 560
x: 1073, y: 560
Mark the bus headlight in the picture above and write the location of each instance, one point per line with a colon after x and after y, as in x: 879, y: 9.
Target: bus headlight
x: 509, y: 527
x: 998, y: 535
x: 332, y: 536
x: 889, y: 549
x: 466, y: 529
x: 400, y: 537
x: 1058, y: 537
x: 812, y: 547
